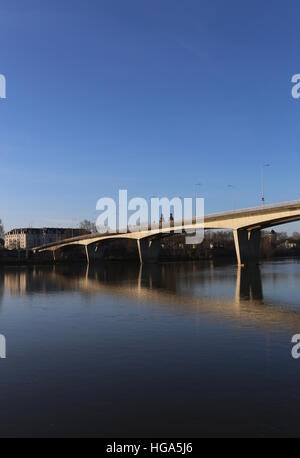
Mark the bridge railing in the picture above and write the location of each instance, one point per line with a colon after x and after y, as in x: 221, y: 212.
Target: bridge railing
x: 253, y: 209
x: 260, y: 208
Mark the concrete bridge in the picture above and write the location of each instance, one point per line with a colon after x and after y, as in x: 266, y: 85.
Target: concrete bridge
x: 246, y: 225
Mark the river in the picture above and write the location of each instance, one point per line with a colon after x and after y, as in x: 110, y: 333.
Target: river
x: 166, y: 350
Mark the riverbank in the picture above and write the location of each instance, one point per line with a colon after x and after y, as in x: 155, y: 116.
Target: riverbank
x: 27, y: 257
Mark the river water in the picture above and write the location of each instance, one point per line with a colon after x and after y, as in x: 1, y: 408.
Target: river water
x: 167, y: 350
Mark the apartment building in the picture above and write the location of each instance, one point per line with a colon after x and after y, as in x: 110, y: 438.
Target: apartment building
x: 27, y: 238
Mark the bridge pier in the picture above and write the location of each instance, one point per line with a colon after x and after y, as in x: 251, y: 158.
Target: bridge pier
x: 148, y: 250
x: 247, y: 246
x: 87, y: 254
x: 92, y: 253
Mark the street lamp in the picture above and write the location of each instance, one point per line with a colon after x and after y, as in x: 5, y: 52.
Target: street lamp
x: 231, y: 186
x: 197, y: 184
x: 263, y: 183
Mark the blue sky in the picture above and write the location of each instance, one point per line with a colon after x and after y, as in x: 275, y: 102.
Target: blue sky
x: 150, y: 96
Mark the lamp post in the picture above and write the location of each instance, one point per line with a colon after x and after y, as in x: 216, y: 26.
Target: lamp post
x: 231, y: 186
x: 196, y: 185
x: 263, y: 183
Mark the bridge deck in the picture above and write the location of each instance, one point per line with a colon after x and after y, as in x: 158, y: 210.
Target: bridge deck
x: 208, y: 220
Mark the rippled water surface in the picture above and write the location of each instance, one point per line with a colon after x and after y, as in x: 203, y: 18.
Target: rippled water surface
x: 185, y: 350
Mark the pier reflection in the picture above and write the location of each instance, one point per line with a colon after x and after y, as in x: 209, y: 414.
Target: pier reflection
x: 249, y: 284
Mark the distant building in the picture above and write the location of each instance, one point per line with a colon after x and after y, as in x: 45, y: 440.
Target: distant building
x: 272, y: 238
x: 27, y: 238
x: 290, y: 245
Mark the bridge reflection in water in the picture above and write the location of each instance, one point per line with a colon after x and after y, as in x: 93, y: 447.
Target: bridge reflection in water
x: 226, y: 291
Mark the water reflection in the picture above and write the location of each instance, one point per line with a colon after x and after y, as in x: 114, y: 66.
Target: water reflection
x: 173, y: 278
x: 249, y: 284
x: 224, y: 290
x: 168, y: 350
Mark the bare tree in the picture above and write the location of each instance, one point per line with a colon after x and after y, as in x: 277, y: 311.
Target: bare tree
x: 88, y: 226
x: 282, y: 237
x: 1, y: 229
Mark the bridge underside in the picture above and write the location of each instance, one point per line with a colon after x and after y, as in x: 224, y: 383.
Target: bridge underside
x: 106, y: 249
x: 247, y: 245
